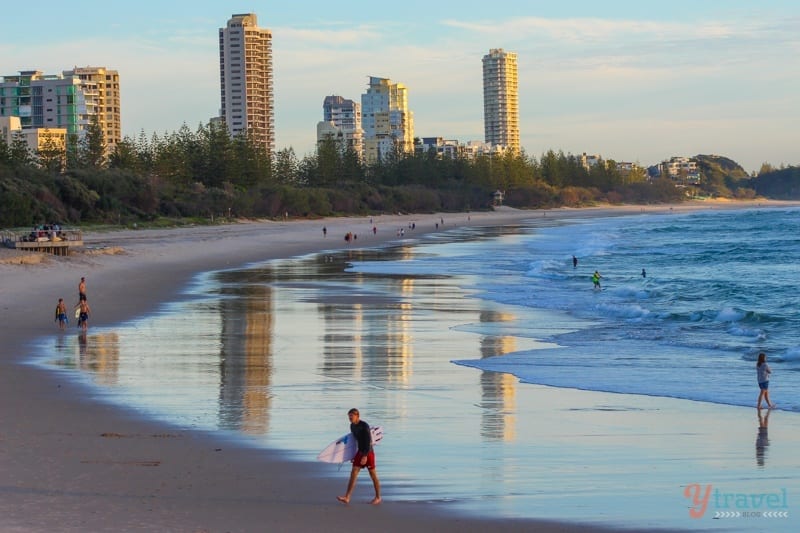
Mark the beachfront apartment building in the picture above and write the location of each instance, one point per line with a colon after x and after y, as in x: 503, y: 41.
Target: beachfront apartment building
x: 108, y: 108
x: 501, y: 99
x: 52, y: 101
x: 245, y: 77
x: 679, y: 166
x: 341, y: 121
x: 386, y: 119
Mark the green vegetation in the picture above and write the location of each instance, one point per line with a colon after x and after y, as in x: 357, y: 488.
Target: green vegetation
x: 206, y: 174
x: 782, y: 184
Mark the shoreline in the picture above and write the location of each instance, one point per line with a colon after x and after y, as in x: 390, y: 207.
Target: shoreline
x: 73, y: 463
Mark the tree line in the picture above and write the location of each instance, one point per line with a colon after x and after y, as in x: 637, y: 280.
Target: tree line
x: 207, y: 173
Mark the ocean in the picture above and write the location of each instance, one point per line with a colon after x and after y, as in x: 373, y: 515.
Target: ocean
x: 718, y: 288
x: 454, y: 340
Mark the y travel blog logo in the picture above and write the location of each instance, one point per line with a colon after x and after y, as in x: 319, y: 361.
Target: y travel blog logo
x: 735, y: 504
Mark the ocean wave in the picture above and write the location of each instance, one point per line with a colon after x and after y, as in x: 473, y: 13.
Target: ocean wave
x: 739, y: 331
x: 626, y: 311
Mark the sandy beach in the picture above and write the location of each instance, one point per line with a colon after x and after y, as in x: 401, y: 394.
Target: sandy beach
x: 72, y: 463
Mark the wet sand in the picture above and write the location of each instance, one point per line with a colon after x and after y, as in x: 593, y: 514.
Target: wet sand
x: 73, y: 463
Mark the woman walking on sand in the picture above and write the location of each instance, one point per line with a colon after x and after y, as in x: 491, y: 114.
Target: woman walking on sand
x: 763, y: 371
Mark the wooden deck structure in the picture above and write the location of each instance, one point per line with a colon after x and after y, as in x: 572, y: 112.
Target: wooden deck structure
x: 50, y: 242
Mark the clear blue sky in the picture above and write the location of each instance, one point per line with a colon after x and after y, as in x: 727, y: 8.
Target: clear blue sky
x: 632, y: 81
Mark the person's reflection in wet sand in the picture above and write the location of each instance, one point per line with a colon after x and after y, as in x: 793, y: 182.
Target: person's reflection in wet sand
x: 762, y: 440
x: 82, y: 348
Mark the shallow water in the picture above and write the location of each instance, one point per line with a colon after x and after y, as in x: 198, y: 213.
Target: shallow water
x: 278, y: 352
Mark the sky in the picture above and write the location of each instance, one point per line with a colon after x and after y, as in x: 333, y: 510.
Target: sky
x: 630, y: 81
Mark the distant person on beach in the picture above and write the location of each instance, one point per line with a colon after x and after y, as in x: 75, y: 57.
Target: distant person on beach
x: 596, y: 279
x: 61, y: 314
x: 324, y: 231
x: 574, y: 262
x: 365, y: 456
x: 763, y: 371
x: 83, y: 316
x: 82, y: 290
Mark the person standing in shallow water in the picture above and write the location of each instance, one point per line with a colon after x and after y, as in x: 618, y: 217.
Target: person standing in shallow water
x: 763, y: 371
x: 596, y: 279
x: 365, y: 456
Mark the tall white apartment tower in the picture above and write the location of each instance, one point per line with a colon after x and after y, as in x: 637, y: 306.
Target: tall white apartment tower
x: 345, y: 117
x: 388, y: 124
x: 500, y: 99
x: 245, y: 79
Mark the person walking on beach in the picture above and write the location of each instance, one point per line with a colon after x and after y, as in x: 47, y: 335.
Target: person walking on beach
x: 365, y: 456
x: 61, y: 314
x: 82, y: 290
x: 596, y: 279
x: 83, y: 316
x: 763, y: 371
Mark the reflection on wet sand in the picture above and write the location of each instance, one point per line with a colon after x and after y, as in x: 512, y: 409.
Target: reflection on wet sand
x: 246, y: 360
x: 498, y: 391
x: 97, y: 354
x: 366, y: 328
x: 762, y: 439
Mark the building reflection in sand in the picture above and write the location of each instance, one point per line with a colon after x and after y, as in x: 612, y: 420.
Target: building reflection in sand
x: 299, y: 335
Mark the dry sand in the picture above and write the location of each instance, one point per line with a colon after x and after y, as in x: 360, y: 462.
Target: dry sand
x: 70, y: 463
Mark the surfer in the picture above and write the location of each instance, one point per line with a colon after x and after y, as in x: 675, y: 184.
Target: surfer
x: 574, y: 262
x: 365, y: 456
x: 596, y: 279
x: 644, y: 273
x: 763, y: 371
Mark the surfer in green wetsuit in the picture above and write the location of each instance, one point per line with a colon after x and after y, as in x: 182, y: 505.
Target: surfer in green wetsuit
x: 596, y: 279
x: 365, y: 456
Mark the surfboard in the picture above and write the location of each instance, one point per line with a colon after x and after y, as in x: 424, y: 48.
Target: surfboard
x: 344, y: 448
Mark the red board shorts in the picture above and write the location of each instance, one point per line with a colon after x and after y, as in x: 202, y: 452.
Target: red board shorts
x: 370, y: 460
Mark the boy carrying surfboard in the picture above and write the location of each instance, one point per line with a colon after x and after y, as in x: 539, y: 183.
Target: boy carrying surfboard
x: 365, y: 456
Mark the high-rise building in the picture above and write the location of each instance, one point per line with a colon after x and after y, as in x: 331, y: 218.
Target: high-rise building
x: 500, y: 99
x: 342, y: 120
x: 107, y: 101
x: 388, y: 124
x: 245, y: 77
x: 49, y: 101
